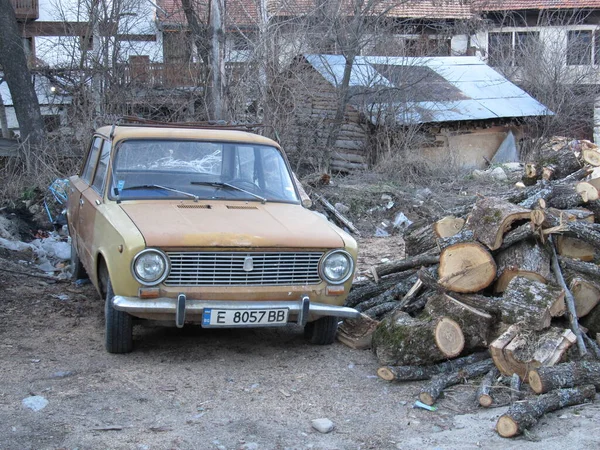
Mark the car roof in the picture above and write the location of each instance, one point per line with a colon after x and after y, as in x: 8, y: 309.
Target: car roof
x: 119, y: 133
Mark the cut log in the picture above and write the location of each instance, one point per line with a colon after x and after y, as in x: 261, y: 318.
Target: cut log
x: 434, y: 388
x: 517, y: 351
x: 466, y: 267
x: 531, y: 303
x: 515, y: 388
x: 497, y: 349
x: 360, y: 294
x: 564, y: 196
x: 578, y: 229
x: 522, y: 415
x: 525, y: 259
x: 392, y: 294
x: 475, y: 324
x: 448, y: 226
x: 339, y: 217
x: 563, y: 161
x: 420, y: 239
x: 401, y: 340
x: 407, y: 263
x: 415, y: 373
x: 588, y: 191
x: 535, y: 349
x: 575, y: 248
x: 585, y: 268
x: 592, y: 321
x: 492, y: 217
x: 357, y: 333
x: 464, y: 236
x: 586, y: 292
x: 545, y: 379
x: 591, y: 156
x: 484, y: 392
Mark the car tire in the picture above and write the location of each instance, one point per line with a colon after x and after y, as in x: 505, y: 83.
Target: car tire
x: 118, y: 324
x: 77, y: 270
x: 322, y: 331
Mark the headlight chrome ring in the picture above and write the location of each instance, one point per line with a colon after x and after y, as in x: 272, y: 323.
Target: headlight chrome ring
x: 150, y: 267
x: 336, y: 266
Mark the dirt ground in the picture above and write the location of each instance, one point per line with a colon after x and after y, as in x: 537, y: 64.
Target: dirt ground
x: 220, y: 389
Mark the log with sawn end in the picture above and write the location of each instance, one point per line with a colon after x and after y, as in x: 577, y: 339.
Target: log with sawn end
x: 524, y: 414
x: 434, y: 388
x: 527, y: 259
x: 466, y: 267
x: 484, y: 392
x: 566, y: 375
x: 415, y: 373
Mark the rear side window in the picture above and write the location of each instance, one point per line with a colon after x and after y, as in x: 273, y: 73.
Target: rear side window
x: 90, y: 164
x: 101, y: 167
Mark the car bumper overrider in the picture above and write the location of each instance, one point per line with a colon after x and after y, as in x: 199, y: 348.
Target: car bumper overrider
x: 302, y: 309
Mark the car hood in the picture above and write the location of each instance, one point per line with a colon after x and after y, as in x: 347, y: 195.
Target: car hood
x: 231, y: 224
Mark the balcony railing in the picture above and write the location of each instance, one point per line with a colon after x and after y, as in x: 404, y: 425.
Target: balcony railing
x: 26, y: 9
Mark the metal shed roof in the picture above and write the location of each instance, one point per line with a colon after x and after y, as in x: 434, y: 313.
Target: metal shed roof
x: 428, y: 89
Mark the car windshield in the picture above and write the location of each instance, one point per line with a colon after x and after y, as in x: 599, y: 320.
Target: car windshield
x: 153, y: 169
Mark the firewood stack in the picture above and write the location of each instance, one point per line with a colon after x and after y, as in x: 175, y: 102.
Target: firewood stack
x: 516, y: 274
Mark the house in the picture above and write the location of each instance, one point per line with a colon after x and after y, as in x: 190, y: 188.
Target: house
x: 552, y: 49
x: 463, y: 108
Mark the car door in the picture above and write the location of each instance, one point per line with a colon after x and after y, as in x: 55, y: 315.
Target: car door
x: 77, y: 185
x: 91, y: 199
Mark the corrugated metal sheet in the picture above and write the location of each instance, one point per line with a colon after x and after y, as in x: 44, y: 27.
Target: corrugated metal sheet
x: 485, y: 94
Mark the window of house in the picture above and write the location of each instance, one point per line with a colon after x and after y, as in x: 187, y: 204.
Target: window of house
x: 511, y: 48
x: 580, y: 48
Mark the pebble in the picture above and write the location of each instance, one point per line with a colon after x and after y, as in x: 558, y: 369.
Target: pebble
x: 35, y: 402
x: 323, y: 425
x: 249, y: 446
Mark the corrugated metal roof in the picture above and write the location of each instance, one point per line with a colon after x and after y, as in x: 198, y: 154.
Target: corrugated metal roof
x: 457, y: 88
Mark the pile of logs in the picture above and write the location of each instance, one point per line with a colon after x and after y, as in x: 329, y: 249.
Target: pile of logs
x: 507, y: 289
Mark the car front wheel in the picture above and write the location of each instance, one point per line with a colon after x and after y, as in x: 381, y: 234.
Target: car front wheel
x: 118, y: 324
x: 322, y: 331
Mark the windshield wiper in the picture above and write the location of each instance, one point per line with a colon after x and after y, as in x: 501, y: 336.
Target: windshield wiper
x: 158, y: 186
x: 220, y: 184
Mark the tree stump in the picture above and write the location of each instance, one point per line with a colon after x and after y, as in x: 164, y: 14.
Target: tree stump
x: 545, y: 379
x: 526, y: 259
x: 466, y: 267
x: 492, y: 217
x: 401, y: 340
x: 522, y: 415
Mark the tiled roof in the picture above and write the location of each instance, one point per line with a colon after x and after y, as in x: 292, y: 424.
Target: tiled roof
x: 512, y: 5
x: 246, y: 12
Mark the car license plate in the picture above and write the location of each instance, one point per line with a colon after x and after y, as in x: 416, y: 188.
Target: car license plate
x: 212, y: 317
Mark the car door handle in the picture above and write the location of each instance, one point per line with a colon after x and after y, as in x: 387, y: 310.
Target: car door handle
x: 81, y: 201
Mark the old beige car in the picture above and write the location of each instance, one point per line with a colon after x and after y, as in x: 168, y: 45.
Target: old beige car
x: 203, y: 226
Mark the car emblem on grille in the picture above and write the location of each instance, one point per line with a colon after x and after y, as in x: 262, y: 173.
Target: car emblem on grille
x: 248, y: 264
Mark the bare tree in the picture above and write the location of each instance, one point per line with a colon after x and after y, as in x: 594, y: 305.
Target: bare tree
x: 18, y: 77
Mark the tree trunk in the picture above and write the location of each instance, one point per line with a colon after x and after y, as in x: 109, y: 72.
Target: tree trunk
x: 526, y: 259
x: 420, y: 239
x: 401, y: 340
x: 404, y: 264
x: 415, y: 373
x: 18, y: 78
x: 463, y: 236
x: 564, y: 161
x: 432, y: 390
x: 466, y: 267
x: 522, y: 415
x: 545, y: 379
x: 492, y: 217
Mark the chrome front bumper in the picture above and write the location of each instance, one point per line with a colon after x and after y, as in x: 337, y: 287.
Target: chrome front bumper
x: 181, y: 307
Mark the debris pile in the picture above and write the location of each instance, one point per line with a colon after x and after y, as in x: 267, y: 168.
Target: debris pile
x: 515, y: 274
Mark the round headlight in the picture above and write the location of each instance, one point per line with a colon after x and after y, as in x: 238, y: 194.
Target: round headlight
x: 150, y: 267
x: 337, y: 267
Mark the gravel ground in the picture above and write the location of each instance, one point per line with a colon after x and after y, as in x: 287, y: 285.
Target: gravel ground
x: 219, y: 389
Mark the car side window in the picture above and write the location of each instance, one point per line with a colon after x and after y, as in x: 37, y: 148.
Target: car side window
x: 90, y: 165
x: 101, y: 167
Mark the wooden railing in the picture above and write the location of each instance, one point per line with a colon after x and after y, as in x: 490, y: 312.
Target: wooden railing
x: 26, y: 9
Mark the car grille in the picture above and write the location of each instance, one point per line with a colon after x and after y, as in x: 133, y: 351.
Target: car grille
x: 232, y: 269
